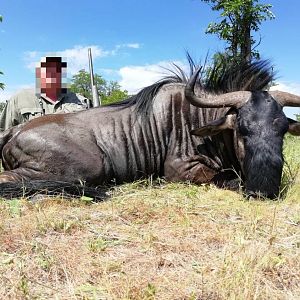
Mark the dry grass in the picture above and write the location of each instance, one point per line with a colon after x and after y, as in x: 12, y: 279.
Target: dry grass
x: 162, y: 241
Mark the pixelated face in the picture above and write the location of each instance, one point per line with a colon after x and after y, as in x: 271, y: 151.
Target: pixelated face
x: 50, y: 75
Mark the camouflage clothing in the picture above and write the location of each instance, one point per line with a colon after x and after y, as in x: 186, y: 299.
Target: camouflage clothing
x: 25, y: 106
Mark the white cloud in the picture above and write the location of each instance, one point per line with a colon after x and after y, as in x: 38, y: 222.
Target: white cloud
x: 5, y: 95
x: 134, y: 78
x: 76, y: 57
x: 108, y: 71
x: 31, y: 59
x: 117, y: 48
x: 133, y: 45
x: 32, y: 54
x: 291, y: 87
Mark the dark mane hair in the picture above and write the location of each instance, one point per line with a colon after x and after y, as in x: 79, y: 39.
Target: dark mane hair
x: 221, y: 77
x: 226, y: 76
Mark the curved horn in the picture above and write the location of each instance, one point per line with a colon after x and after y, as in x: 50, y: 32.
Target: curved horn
x: 286, y: 99
x: 235, y: 99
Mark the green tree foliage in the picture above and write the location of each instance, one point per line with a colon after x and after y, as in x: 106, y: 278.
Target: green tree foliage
x: 239, y: 19
x: 109, y: 92
x: 81, y: 83
x: 113, y: 93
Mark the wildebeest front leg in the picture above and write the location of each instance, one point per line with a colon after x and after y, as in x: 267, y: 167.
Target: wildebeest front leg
x: 197, y: 169
x: 21, y: 174
x: 10, y: 176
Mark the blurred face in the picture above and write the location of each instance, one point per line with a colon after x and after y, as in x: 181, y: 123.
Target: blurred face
x: 50, y: 77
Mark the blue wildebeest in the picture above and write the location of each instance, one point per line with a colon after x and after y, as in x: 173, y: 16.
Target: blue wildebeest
x: 183, y: 129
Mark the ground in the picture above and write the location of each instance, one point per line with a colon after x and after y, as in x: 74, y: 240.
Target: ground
x: 153, y: 240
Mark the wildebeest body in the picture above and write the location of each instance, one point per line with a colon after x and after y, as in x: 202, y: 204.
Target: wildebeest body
x: 165, y: 130
x: 120, y: 147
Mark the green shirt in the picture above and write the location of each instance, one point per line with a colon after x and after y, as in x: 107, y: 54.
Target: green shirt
x: 25, y: 105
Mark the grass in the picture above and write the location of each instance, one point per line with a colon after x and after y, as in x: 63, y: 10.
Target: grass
x: 155, y: 241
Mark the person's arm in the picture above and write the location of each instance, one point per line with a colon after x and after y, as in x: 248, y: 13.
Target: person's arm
x: 9, y: 115
x: 85, y: 102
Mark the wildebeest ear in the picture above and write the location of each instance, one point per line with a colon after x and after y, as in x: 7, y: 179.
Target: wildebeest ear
x: 294, y: 127
x: 216, y: 126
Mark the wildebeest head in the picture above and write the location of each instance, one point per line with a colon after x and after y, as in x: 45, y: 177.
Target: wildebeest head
x: 258, y: 125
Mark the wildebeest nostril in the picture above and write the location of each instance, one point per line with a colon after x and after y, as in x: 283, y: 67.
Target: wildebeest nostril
x: 250, y: 194
x: 259, y: 195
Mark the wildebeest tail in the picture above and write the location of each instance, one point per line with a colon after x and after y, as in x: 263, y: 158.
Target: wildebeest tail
x: 9, y: 190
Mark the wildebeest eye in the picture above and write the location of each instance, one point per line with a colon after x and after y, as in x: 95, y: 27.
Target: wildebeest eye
x: 281, y: 125
x: 243, y: 127
x: 276, y: 122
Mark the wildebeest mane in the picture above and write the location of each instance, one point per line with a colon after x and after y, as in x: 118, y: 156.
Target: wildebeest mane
x: 144, y: 98
x: 226, y: 76
x: 221, y: 77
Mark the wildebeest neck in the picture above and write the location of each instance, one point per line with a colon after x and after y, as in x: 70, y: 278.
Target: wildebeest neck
x: 219, y: 148
x: 263, y: 164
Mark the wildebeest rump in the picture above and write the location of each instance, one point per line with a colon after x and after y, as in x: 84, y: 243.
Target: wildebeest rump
x: 179, y: 128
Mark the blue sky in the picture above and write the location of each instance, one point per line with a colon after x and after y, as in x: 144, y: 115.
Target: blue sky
x: 130, y: 39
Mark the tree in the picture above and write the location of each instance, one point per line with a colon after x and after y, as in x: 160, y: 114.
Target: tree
x: 109, y: 92
x: 114, y: 93
x: 81, y: 83
x: 1, y: 73
x: 239, y: 19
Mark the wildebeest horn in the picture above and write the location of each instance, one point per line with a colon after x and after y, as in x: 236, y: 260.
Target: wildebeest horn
x: 286, y: 99
x: 235, y: 99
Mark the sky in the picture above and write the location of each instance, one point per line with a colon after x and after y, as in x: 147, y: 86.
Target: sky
x: 131, y: 40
